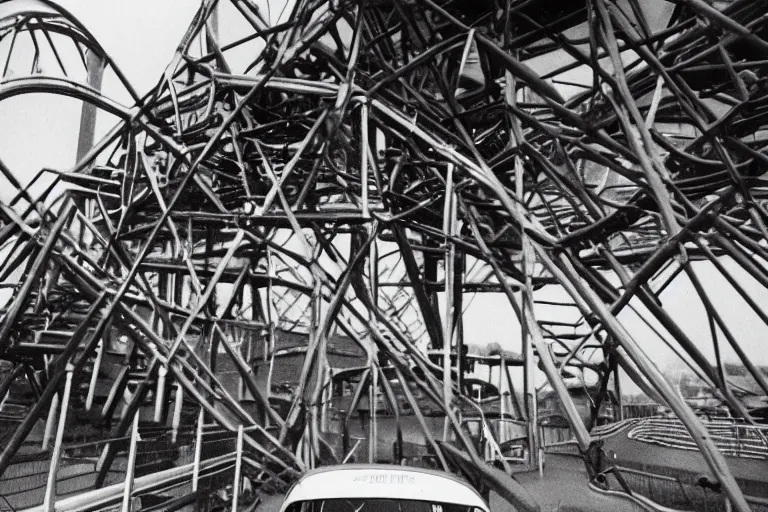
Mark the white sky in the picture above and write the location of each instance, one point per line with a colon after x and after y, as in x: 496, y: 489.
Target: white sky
x: 141, y: 36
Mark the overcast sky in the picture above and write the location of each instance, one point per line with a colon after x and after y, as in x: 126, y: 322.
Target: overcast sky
x: 141, y: 35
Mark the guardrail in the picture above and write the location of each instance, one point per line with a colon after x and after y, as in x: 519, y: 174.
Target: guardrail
x: 610, y: 429
x: 731, y: 437
x: 157, y: 456
x: 161, y: 480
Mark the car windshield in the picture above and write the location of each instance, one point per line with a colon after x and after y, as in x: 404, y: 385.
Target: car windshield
x: 377, y: 505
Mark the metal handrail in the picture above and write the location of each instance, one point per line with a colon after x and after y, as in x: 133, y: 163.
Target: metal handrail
x: 730, y: 437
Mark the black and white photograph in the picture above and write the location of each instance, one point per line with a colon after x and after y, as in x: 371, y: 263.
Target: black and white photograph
x: 383, y: 256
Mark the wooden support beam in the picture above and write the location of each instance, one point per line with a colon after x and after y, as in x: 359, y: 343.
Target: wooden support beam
x: 53, y: 469
x: 130, y: 469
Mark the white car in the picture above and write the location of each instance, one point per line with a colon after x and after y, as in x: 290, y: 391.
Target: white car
x: 381, y: 488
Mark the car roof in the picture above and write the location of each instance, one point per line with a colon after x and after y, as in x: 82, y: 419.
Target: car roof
x: 356, y: 481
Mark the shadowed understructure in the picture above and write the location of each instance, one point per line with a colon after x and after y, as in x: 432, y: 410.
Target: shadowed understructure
x: 367, y: 165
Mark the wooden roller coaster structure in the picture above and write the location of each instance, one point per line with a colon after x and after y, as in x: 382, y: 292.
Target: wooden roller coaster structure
x: 371, y: 163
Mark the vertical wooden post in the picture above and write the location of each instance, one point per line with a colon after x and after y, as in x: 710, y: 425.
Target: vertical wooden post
x: 238, y: 468
x: 94, y: 64
x: 372, y: 438
x: 130, y: 469
x: 430, y: 277
x: 178, y: 404
x: 306, y: 447
x: 319, y: 337
x: 502, y: 383
x: 529, y: 389
x: 270, y: 322
x: 448, y: 277
x: 373, y: 275
x: 210, y: 285
x: 458, y: 304
x: 49, y: 503
x: 198, y: 450
x: 50, y: 422
x: 242, y: 389
x: 617, y: 391
x: 160, y: 394
x: 541, y: 462
x: 364, y: 158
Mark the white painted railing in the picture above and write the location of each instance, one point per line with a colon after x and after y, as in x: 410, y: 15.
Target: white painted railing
x: 731, y: 437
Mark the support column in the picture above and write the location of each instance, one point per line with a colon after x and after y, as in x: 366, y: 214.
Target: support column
x: 449, y: 225
x: 130, y: 470
x: 617, y: 391
x: 373, y: 277
x: 95, y: 67
x: 270, y: 324
x: 528, y: 315
x: 49, y: 504
x: 160, y: 394
x: 198, y: 450
x: 177, y: 406
x: 458, y: 306
x: 94, y: 64
x: 430, y: 278
x: 313, y: 426
x: 364, y: 159
x: 503, y: 390
x: 238, y: 468
x: 49, y: 422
